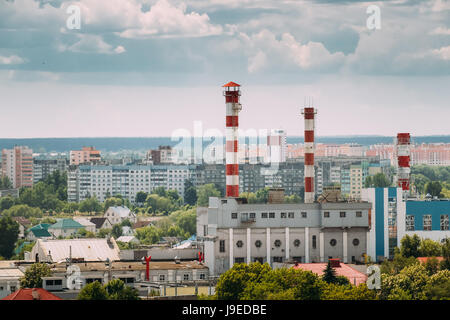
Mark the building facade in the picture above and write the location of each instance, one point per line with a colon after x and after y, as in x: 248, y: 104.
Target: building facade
x: 85, y: 155
x: 235, y: 232
x: 42, y: 168
x: 17, y: 165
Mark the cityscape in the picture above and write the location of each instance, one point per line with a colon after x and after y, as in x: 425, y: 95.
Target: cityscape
x: 245, y: 177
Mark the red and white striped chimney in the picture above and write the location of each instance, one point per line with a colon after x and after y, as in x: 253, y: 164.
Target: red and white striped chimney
x: 403, y: 159
x: 309, y: 154
x: 232, y: 94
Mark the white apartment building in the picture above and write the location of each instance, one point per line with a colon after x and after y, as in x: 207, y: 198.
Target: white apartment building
x: 106, y: 181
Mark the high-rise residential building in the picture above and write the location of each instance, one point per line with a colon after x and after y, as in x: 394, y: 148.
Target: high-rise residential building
x: 276, y: 143
x: 42, y: 168
x: 17, y: 165
x: 85, y: 155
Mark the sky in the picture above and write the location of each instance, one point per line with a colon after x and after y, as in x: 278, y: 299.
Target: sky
x: 155, y: 67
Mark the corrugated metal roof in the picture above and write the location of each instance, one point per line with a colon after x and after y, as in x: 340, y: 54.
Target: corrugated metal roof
x: 66, y: 224
x: 88, y: 249
x: 123, y: 212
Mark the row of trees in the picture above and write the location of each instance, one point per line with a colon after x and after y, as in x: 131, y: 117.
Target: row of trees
x: 257, y: 281
x: 434, y: 180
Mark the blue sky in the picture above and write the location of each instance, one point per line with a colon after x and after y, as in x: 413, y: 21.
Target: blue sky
x: 150, y: 67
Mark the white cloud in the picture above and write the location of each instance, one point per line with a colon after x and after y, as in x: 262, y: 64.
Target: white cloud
x: 165, y: 20
x: 441, y: 31
x: 11, y: 60
x: 443, y: 53
x: 89, y: 43
x: 265, y: 50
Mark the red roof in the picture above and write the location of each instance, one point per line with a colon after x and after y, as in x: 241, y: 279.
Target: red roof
x: 231, y: 84
x: 425, y: 259
x: 353, y: 275
x: 31, y: 294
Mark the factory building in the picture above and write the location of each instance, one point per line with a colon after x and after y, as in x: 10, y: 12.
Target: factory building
x: 236, y: 232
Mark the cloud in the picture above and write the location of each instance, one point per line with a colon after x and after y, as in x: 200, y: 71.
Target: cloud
x: 441, y: 31
x: 89, y: 43
x: 11, y: 60
x: 165, y: 20
x: 443, y: 53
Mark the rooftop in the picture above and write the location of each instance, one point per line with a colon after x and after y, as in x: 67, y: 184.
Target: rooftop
x: 66, y: 224
x: 31, y: 294
x: 353, y: 275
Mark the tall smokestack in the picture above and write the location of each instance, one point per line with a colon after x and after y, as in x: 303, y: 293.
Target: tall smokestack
x: 403, y: 158
x: 232, y: 94
x: 309, y: 154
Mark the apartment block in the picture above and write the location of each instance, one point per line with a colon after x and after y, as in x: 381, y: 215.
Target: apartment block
x: 85, y: 155
x: 17, y: 165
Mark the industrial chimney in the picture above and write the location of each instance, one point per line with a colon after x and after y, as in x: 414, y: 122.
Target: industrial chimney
x: 403, y: 158
x: 232, y: 94
x: 309, y: 153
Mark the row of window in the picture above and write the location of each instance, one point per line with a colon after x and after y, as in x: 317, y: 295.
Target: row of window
x: 427, y: 222
x: 290, y: 215
x: 277, y: 243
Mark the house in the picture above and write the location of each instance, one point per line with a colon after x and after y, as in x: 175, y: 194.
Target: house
x: 127, y: 231
x: 10, y: 276
x: 141, y: 224
x: 128, y: 239
x: 117, y: 214
x: 39, y: 231
x: 78, y: 249
x: 88, y: 225
x: 65, y: 228
x: 101, y: 223
x: 24, y: 223
x: 32, y: 294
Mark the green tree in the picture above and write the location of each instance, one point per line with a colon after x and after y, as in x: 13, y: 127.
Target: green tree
x: 333, y: 291
x: 34, y: 274
x: 204, y: 192
x: 23, y: 210
x: 190, y: 193
x: 410, y: 281
x: 90, y: 205
x: 141, y: 196
x: 379, y: 180
x: 6, y: 203
x: 232, y: 283
x: 5, y: 183
x: 9, y: 232
x: 329, y: 274
x: 432, y: 266
x: 434, y: 188
x: 438, y: 288
x: 116, y: 231
x: 112, y: 202
x: 103, y: 233
x: 93, y: 291
x: 117, y: 290
x: 430, y: 248
x: 410, y: 246
x: 160, y: 191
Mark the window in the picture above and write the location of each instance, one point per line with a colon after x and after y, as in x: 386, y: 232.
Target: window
x: 258, y: 259
x: 271, y: 215
x: 264, y: 215
x: 162, y: 277
x: 12, y: 288
x: 202, y: 276
x: 358, y: 214
x: 342, y: 214
x: 410, y: 222
x: 234, y: 215
x: 277, y: 259
x: 314, y: 242
x: 444, y: 221
x: 333, y: 242
x: 304, y: 214
x: 186, y: 277
x: 205, y: 230
x: 296, y: 243
x: 355, y: 242
x: 49, y: 282
x: 239, y: 244
x: 252, y: 215
x: 222, y: 246
x: 239, y: 260
x: 283, y: 215
x: 291, y: 215
x: 427, y: 222
x: 326, y: 214
x: 277, y: 243
x: 258, y: 243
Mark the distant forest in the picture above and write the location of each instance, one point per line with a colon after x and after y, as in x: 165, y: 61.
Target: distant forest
x: 111, y: 144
